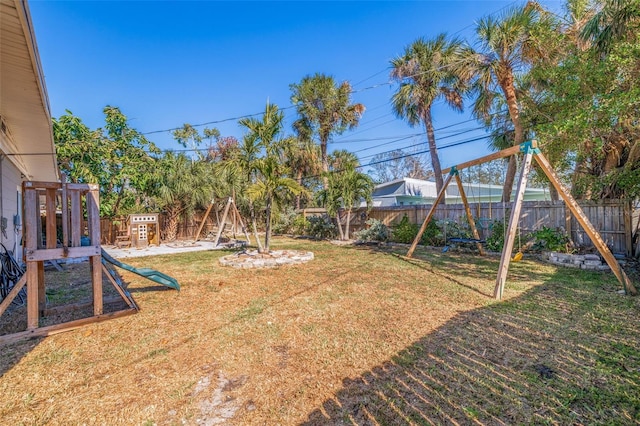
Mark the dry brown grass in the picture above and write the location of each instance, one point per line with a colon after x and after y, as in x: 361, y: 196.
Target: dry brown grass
x: 359, y: 335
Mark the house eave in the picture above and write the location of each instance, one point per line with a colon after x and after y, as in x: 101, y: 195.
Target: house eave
x: 28, y: 139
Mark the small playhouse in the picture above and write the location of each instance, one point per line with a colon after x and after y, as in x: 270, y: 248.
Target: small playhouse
x: 143, y: 229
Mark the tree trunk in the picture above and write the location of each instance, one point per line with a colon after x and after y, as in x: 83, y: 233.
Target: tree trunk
x: 433, y: 150
x: 325, y: 164
x: 252, y: 213
x: 298, y: 196
x: 339, y: 225
x: 171, y: 231
x: 509, y: 178
x: 506, y: 82
x: 346, y: 230
x: 553, y: 193
x: 267, y: 236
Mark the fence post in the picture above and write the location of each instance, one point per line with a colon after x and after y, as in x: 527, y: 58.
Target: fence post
x: 628, y: 227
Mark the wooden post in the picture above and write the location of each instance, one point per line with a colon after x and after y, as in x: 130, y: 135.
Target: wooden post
x: 494, y: 156
x: 628, y: 228
x: 33, y: 313
x: 204, y: 220
x: 223, y: 221
x: 93, y: 220
x: 65, y: 215
x: 76, y: 218
x: 586, y: 225
x: 239, y: 217
x: 12, y: 294
x: 429, y: 215
x: 513, y: 226
x: 50, y: 228
x: 31, y: 219
x: 467, y: 209
x: 42, y: 296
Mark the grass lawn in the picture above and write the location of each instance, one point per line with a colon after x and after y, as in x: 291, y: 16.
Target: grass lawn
x: 360, y: 335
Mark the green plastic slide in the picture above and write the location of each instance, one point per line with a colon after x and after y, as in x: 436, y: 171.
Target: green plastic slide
x: 148, y: 273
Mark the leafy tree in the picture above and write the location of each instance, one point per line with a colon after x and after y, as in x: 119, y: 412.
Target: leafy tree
x: 613, y: 20
x: 586, y: 109
x: 189, y: 137
x: 427, y: 72
x: 115, y: 157
x: 325, y: 109
x: 398, y: 164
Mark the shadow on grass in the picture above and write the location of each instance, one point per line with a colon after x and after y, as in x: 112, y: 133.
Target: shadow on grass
x: 562, y: 353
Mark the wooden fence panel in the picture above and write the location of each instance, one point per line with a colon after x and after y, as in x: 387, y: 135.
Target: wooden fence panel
x: 607, y: 216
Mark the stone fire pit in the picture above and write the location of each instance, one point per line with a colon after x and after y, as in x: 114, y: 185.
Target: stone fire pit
x: 252, y: 259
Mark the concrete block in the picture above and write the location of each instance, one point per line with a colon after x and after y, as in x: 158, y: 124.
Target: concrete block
x: 592, y: 262
x: 591, y: 257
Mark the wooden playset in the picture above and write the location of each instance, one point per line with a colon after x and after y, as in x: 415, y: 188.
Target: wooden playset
x: 530, y: 151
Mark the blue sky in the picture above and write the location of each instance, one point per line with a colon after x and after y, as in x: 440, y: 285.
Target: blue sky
x: 167, y: 63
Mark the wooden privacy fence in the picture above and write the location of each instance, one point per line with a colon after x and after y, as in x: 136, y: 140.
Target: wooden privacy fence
x: 187, y: 227
x: 616, y: 220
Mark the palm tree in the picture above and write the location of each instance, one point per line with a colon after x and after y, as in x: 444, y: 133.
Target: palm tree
x: 347, y: 188
x: 271, y: 185
x: 355, y: 187
x: 341, y: 159
x: 506, y: 49
x: 180, y: 185
x: 302, y: 158
x: 426, y: 73
x: 270, y: 182
x: 325, y: 109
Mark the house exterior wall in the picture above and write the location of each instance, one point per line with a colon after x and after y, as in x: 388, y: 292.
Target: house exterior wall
x: 10, y: 207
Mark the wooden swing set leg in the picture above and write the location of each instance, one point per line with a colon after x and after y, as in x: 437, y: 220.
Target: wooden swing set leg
x: 467, y: 209
x: 586, y: 225
x: 505, y: 259
x: 429, y: 215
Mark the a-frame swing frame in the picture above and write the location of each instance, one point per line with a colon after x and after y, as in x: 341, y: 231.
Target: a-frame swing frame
x: 531, y: 151
x: 230, y: 205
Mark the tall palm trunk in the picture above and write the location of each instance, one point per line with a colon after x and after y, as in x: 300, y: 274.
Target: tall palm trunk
x: 346, y: 230
x: 252, y: 213
x: 299, y: 180
x: 325, y: 164
x: 339, y: 225
x: 433, y: 150
x: 267, y: 237
x: 508, y: 88
x: 171, y: 230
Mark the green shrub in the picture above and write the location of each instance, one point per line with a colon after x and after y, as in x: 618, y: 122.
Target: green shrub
x: 376, y: 231
x: 550, y: 239
x: 495, y: 242
x: 283, y: 222
x: 404, y: 232
x: 320, y: 227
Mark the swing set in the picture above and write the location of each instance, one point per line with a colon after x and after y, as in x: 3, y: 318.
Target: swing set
x: 230, y: 216
x: 531, y: 151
